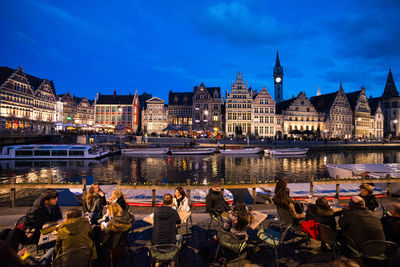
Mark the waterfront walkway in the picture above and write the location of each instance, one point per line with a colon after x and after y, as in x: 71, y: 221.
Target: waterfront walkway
x: 198, y: 249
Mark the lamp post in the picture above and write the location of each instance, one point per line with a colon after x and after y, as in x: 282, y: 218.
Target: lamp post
x: 395, y: 127
x: 206, y: 120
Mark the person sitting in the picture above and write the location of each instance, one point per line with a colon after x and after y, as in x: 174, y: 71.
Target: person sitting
x: 366, y: 191
x: 180, y: 200
x: 166, y: 220
x: 45, y: 209
x: 119, y: 197
x: 9, y: 257
x: 215, y: 202
x: 75, y: 232
x: 359, y: 223
x: 94, y: 203
x: 286, y: 204
x: 321, y: 212
x: 391, y: 223
x: 238, y: 221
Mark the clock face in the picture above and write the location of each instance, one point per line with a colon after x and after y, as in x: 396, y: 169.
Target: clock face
x: 278, y: 79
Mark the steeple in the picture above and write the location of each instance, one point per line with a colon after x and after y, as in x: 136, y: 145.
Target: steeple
x: 278, y: 79
x: 277, y: 62
x: 341, y: 87
x: 390, y: 87
x: 318, y: 92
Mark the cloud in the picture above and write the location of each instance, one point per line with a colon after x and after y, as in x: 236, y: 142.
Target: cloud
x: 27, y: 38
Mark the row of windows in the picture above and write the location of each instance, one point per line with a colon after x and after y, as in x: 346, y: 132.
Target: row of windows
x: 264, y: 119
x: 113, y: 109
x: 304, y: 119
x: 180, y: 111
x: 114, y: 118
x: 239, y: 105
x: 268, y: 130
x: 239, y: 116
x: 181, y: 121
x: 261, y: 110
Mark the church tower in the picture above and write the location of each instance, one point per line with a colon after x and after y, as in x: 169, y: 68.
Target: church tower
x: 278, y: 80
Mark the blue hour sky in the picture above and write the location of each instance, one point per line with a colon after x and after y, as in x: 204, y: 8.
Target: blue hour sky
x: 157, y: 46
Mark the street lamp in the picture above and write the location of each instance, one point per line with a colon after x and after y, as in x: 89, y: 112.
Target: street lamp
x: 206, y: 120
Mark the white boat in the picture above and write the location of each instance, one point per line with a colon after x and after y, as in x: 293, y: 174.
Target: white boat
x: 49, y: 163
x: 145, y: 151
x: 52, y: 152
x: 192, y: 151
x: 287, y: 151
x: 246, y: 151
x: 372, y: 170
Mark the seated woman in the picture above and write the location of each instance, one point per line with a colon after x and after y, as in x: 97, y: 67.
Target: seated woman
x: 286, y: 204
x: 321, y: 212
x: 119, y: 197
x: 75, y: 232
x: 366, y: 191
x: 180, y: 200
x: 114, y: 233
x: 94, y: 203
x: 238, y: 221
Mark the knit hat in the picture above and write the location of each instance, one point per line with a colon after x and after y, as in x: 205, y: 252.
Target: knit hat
x: 367, y: 187
x: 322, y: 203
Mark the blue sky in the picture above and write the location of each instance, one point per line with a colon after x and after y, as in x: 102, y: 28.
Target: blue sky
x: 157, y: 46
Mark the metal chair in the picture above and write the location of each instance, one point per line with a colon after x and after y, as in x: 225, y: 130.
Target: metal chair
x: 164, y: 253
x: 286, y: 221
x: 227, y: 240
x: 378, y: 251
x: 327, y: 235
x: 214, y: 217
x: 76, y: 257
x: 273, y: 238
x: 352, y: 246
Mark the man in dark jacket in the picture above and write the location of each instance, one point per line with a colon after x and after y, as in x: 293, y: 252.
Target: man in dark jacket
x: 166, y: 220
x: 45, y: 209
x: 215, y: 202
x: 360, y: 224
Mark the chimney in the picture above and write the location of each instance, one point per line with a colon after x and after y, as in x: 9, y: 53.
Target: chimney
x: 115, y: 93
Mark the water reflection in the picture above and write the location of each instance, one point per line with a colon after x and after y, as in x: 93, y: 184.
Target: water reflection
x: 176, y: 169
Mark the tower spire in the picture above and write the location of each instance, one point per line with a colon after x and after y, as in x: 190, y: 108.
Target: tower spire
x: 277, y: 62
x: 318, y: 92
x: 390, y: 87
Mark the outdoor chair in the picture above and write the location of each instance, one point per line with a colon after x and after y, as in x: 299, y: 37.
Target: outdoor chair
x: 273, y: 238
x: 214, y: 217
x: 352, y: 246
x: 165, y: 253
x: 327, y: 235
x: 378, y: 253
x: 20, y: 224
x: 227, y: 240
x: 76, y: 257
x: 286, y: 221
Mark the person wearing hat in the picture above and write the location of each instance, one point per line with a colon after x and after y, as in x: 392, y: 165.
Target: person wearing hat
x: 321, y: 212
x: 366, y: 191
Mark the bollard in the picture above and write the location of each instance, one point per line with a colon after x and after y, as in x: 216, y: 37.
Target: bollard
x: 153, y: 197
x: 312, y: 187
x: 84, y: 187
x: 338, y: 191
x: 12, y: 193
x: 188, y: 192
x: 254, y: 193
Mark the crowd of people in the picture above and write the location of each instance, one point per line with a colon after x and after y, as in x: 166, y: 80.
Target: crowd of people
x: 103, y: 225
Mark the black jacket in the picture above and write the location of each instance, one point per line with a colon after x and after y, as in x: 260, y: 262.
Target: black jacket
x: 121, y: 202
x: 215, y: 202
x: 165, y: 221
x: 370, y: 202
x: 324, y: 216
x: 96, y: 206
x: 391, y: 227
x: 39, y: 214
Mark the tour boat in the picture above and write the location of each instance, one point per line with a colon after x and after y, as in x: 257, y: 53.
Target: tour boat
x: 49, y: 163
x: 145, y: 151
x: 372, y: 170
x: 245, y: 151
x: 192, y: 151
x: 286, y: 151
x: 52, y: 152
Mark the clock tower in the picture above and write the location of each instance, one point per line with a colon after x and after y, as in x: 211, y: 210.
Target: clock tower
x: 278, y: 80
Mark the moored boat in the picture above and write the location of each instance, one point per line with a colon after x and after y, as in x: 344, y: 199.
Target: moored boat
x: 245, y: 151
x: 145, y: 151
x: 372, y: 170
x: 192, y: 151
x: 287, y: 151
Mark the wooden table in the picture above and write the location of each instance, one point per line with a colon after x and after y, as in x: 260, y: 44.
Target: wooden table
x: 183, y: 215
x: 259, y: 217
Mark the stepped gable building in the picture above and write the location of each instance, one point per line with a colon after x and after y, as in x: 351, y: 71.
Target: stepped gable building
x: 239, y: 108
x: 390, y: 103
x: 180, y: 110
x: 154, y: 116
x: 362, y: 120
x: 27, y: 102
x: 264, y: 114
x: 117, y: 110
x: 278, y: 79
x: 338, y: 115
x: 300, y: 118
x: 206, y: 108
x: 378, y: 118
x: 84, y: 112
x: 69, y: 108
x: 142, y: 106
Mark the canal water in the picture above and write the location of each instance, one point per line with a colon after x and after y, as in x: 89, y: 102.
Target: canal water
x: 200, y: 169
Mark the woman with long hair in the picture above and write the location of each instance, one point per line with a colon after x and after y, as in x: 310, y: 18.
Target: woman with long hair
x: 119, y: 197
x: 94, y: 202
x: 180, y: 200
x: 284, y: 202
x: 238, y: 221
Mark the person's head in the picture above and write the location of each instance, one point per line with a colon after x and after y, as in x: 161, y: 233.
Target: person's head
x: 73, y: 213
x: 50, y: 197
x: 244, y: 219
x: 167, y: 200
x: 366, y: 190
x: 281, y: 185
x: 356, y: 202
x: 216, y: 186
x: 116, y: 194
x: 180, y: 192
x: 322, y: 203
x: 394, y: 209
x: 114, y: 209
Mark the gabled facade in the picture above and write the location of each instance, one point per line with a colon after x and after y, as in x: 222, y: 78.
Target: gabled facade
x: 180, y: 107
x: 264, y: 114
x: 362, y: 120
x: 206, y: 108
x: 390, y: 103
x: 84, y: 112
x: 154, y: 116
x: 377, y: 116
x: 69, y: 109
x: 239, y: 109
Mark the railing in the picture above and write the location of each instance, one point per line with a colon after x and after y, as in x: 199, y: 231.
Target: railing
x: 13, y: 186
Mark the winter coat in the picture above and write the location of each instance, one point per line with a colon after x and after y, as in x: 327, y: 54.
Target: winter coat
x: 111, y: 236
x: 360, y: 224
x: 165, y: 221
x: 121, y: 202
x: 231, y: 225
x: 391, y: 227
x: 97, y: 205
x: 184, y: 204
x: 74, y: 233
x: 370, y: 202
x: 215, y: 202
x: 39, y: 214
x: 320, y: 215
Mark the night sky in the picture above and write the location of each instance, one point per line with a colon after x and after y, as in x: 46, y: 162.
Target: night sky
x: 157, y: 46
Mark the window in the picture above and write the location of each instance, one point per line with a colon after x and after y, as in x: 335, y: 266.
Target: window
x: 107, y: 109
x: 215, y: 117
x: 76, y: 152
x: 113, y: 109
x: 19, y: 153
x: 59, y: 153
x: 102, y: 109
x: 42, y: 152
